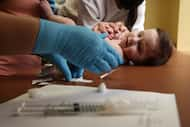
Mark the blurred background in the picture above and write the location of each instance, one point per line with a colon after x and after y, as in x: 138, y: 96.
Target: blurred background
x: 173, y: 16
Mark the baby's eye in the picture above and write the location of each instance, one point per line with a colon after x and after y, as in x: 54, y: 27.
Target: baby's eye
x: 139, y: 35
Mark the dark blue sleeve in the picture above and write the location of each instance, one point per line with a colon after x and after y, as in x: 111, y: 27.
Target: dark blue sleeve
x: 52, y: 4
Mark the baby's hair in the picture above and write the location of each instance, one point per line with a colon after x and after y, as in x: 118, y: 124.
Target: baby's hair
x: 166, y: 46
x: 164, y: 52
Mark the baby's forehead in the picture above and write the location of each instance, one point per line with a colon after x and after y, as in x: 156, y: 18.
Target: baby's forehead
x: 150, y: 33
x: 151, y: 30
x: 151, y: 38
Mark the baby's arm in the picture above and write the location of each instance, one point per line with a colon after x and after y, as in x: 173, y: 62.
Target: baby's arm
x: 47, y: 13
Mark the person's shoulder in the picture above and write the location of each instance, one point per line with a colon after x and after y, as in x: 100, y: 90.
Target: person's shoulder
x: 91, y: 1
x: 87, y: 1
x: 93, y: 4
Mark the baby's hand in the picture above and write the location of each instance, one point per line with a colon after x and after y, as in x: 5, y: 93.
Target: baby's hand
x: 106, y: 27
x: 103, y: 27
x: 121, y: 27
x: 46, y: 11
x: 119, y: 30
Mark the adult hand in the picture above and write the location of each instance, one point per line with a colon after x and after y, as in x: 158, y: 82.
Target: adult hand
x: 103, y: 27
x: 113, y: 29
x: 69, y: 71
x: 79, y: 45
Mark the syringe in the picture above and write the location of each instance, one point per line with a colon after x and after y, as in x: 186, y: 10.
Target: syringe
x: 60, y: 109
x: 108, y: 107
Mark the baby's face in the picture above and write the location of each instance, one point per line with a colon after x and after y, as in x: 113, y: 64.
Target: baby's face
x: 137, y: 46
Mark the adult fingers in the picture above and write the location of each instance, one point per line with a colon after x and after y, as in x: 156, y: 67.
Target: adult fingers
x: 61, y: 64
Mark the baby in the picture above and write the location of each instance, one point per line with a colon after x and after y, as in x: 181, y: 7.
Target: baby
x: 149, y: 47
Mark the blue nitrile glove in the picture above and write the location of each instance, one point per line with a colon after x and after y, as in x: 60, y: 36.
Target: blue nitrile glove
x: 60, y: 63
x: 102, y: 35
x: 79, y: 45
x: 70, y: 71
x: 76, y: 72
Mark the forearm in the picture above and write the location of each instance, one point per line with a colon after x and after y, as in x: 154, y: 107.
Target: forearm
x: 60, y: 19
x: 17, y: 34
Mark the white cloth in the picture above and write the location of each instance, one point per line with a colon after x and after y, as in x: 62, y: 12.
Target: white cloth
x: 146, y: 109
x: 93, y: 11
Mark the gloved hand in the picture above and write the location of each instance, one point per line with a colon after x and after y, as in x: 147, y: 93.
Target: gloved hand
x: 70, y: 71
x: 76, y: 72
x: 79, y: 45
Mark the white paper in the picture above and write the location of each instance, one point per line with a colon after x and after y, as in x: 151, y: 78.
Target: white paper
x: 162, y: 110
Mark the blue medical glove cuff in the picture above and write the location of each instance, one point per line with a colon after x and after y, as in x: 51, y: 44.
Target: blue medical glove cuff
x: 103, y: 35
x: 45, y: 42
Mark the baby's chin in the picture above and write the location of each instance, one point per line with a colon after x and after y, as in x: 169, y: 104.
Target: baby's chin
x: 119, y: 50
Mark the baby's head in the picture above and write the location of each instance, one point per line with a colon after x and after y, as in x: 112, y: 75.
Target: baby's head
x: 150, y: 47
